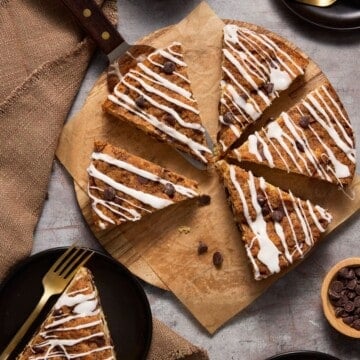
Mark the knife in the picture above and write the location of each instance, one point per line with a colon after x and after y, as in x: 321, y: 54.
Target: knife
x: 319, y: 3
x: 122, y: 56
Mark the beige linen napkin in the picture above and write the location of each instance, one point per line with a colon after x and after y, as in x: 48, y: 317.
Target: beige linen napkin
x: 43, y: 60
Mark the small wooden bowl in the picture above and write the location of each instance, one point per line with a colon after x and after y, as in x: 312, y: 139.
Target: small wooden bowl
x: 328, y: 308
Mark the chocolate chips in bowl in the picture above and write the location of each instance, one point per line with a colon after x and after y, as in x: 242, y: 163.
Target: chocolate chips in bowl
x: 340, y: 295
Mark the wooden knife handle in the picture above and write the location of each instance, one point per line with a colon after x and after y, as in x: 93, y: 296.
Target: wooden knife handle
x: 95, y: 23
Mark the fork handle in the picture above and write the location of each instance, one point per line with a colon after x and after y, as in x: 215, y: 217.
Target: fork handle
x: 25, y: 327
x: 95, y: 23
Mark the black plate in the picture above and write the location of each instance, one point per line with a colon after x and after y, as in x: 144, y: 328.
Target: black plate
x: 123, y: 300
x: 343, y: 15
x: 303, y: 355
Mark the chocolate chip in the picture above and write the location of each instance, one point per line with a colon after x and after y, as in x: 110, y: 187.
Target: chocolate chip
x: 339, y: 311
x: 169, y: 119
x: 299, y: 146
x: 357, y: 289
x: 304, y: 122
x: 348, y: 320
x: 265, y: 210
x: 336, y: 286
x: 357, y: 301
x: 142, y: 180
x: 245, y: 96
x: 269, y: 88
x: 357, y: 311
x: 57, y: 312
x: 204, y: 200
x: 351, y: 284
x: 228, y: 118
x: 333, y: 295
x: 356, y: 324
x: 109, y: 194
x: 169, y: 67
x: 357, y: 271
x: 277, y: 215
x: 349, y: 306
x: 169, y: 190
x: 37, y: 349
x: 342, y: 273
x: 261, y: 200
x: 58, y: 349
x: 218, y: 259
x: 351, y: 294
x: 202, y: 248
x: 351, y: 274
x: 140, y: 101
x: 99, y: 341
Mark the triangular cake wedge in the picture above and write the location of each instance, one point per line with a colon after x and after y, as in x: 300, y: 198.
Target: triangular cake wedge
x: 278, y: 228
x: 75, y: 327
x: 123, y: 187
x: 156, y: 97
x: 314, y: 138
x: 256, y: 67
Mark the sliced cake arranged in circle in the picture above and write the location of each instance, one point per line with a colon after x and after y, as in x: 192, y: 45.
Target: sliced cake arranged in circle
x: 75, y: 328
x: 277, y: 228
x: 314, y: 138
x: 256, y: 68
x: 123, y: 187
x: 156, y: 97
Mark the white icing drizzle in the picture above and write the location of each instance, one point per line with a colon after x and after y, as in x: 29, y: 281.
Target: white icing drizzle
x: 272, y: 66
x: 268, y: 254
x: 56, y: 341
x: 130, y: 213
x: 324, y: 164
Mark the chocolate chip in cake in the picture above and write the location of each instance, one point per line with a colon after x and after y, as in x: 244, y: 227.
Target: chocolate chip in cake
x: 202, y: 248
x: 169, y: 190
x: 142, y: 180
x: 336, y: 286
x: 261, y: 200
x: 228, y: 118
x: 218, y: 259
x: 170, y: 120
x: 299, y: 146
x: 277, y: 215
x: 37, y: 349
x: 304, y: 122
x: 265, y: 210
x: 99, y: 340
x: 140, y: 101
x: 204, y: 200
x: 169, y: 67
x: 109, y: 194
x: 245, y: 96
x: 58, y: 312
x: 269, y: 88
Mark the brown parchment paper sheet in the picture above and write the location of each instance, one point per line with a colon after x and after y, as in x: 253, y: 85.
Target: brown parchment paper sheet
x: 154, y: 248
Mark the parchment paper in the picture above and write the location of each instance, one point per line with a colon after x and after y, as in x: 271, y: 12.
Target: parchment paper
x: 212, y: 295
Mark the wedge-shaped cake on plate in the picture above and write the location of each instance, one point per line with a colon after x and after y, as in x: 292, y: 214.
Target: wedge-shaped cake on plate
x: 75, y: 328
x: 156, y: 97
x: 256, y: 68
x: 123, y: 187
x: 277, y: 228
x: 314, y: 138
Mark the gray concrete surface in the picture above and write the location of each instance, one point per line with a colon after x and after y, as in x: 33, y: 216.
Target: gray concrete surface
x: 289, y: 316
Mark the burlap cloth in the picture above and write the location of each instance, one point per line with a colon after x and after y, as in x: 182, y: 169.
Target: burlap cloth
x: 44, y: 57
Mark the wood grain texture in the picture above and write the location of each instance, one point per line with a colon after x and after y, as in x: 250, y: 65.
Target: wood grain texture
x: 155, y: 250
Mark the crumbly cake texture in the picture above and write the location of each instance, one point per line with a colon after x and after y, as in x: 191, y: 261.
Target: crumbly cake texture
x: 277, y: 228
x: 123, y: 187
x: 255, y: 69
x: 314, y: 138
x: 75, y: 327
x: 156, y: 97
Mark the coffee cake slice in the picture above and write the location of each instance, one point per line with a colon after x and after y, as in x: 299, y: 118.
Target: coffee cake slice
x: 314, y: 138
x: 123, y: 187
x: 277, y: 228
x: 256, y: 68
x: 75, y: 327
x: 156, y: 97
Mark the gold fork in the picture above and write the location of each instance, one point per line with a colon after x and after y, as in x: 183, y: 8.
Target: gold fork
x: 54, y: 282
x: 320, y: 3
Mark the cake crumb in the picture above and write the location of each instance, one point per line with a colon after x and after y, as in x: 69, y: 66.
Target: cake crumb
x: 184, y: 229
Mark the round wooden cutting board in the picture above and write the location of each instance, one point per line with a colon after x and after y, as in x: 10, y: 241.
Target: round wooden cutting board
x: 156, y: 245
